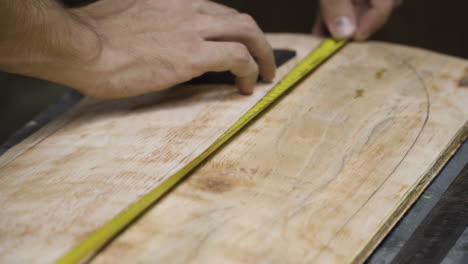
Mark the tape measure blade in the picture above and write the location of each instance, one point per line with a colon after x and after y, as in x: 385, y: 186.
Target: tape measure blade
x: 96, y: 241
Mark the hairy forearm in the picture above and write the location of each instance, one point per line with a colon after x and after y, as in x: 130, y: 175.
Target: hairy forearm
x: 37, y: 35
x: 119, y: 48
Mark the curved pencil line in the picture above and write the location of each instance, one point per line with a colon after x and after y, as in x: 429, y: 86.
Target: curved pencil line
x: 428, y: 111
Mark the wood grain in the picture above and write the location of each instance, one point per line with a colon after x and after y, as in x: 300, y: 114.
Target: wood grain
x: 71, y: 177
x: 320, y: 178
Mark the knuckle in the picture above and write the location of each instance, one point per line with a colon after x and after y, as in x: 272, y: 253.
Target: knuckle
x: 194, y: 46
x: 231, y: 10
x: 240, y: 54
x: 255, y: 69
x: 248, y: 29
x: 246, y: 20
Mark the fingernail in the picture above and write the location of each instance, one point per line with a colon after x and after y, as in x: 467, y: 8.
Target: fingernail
x: 342, y: 27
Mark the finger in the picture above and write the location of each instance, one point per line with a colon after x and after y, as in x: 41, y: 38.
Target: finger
x: 233, y: 57
x: 374, y: 18
x: 319, y: 29
x: 339, y: 17
x: 214, y: 9
x: 360, y: 8
x: 242, y: 28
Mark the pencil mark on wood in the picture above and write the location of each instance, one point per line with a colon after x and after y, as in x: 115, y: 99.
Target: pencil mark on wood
x: 427, y: 114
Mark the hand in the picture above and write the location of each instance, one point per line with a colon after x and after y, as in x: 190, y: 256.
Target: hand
x: 140, y: 46
x: 357, y: 19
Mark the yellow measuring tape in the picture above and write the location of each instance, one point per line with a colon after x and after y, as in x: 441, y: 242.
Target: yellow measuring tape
x: 91, y: 245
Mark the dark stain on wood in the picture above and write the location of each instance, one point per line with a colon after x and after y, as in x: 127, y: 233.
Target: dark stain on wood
x: 215, y: 184
x: 379, y: 74
x: 358, y: 93
x: 463, y: 82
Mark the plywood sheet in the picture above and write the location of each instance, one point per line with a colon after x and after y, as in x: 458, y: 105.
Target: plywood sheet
x: 320, y: 178
x: 71, y: 177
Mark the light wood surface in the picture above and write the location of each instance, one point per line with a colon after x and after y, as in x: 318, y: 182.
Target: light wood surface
x: 74, y: 175
x: 320, y: 178
x: 323, y: 175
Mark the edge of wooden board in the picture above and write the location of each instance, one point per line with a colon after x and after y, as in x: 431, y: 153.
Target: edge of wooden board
x: 411, y: 196
x: 44, y: 132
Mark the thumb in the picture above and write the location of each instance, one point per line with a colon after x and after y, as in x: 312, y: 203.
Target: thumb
x: 339, y: 17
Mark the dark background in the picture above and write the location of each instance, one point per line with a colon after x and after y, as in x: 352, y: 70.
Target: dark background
x: 437, y: 25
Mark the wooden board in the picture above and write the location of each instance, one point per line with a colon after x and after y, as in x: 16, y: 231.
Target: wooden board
x: 74, y: 175
x: 324, y: 175
x: 318, y: 179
